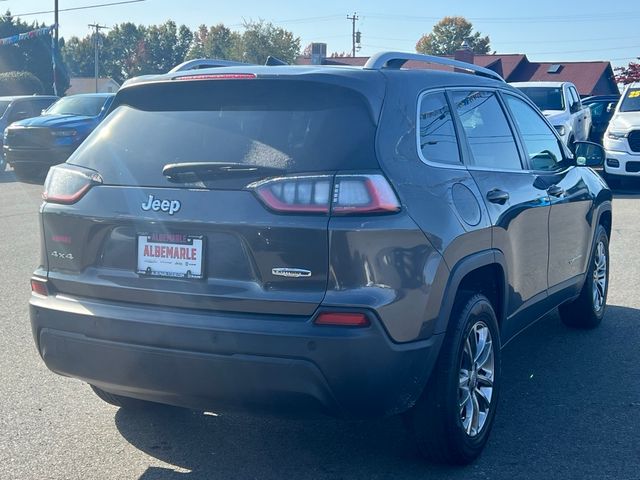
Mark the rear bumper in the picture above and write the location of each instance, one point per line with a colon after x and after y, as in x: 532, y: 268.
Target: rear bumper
x: 228, y: 361
x: 37, y: 157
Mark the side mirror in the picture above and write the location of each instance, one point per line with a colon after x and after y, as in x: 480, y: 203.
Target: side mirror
x: 589, y: 154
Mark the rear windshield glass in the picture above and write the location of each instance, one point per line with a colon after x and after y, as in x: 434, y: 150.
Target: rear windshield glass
x: 631, y: 102
x: 84, y: 106
x: 546, y: 98
x: 293, y: 126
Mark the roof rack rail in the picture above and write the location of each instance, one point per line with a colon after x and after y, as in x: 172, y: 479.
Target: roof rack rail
x: 200, y: 63
x: 395, y: 60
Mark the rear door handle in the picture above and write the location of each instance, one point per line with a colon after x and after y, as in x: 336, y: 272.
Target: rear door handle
x: 497, y: 196
x: 555, y: 191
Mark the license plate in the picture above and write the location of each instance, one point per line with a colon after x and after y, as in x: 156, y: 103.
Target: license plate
x: 170, y: 255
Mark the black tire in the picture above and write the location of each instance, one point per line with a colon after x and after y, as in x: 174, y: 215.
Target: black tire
x: 585, y: 311
x: 30, y: 174
x: 122, y: 402
x: 436, y: 422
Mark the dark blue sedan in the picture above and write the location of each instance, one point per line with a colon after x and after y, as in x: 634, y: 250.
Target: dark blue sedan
x: 33, y: 145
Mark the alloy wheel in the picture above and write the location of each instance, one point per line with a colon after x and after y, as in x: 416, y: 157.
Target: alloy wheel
x: 476, y: 379
x: 599, y: 277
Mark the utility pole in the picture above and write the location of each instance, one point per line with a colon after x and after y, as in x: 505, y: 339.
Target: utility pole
x: 353, y: 19
x: 98, y: 27
x: 56, y: 48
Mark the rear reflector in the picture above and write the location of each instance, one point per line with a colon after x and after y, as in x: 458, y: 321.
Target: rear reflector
x: 218, y: 76
x: 344, y: 195
x: 342, y: 319
x: 39, y: 287
x: 67, y: 184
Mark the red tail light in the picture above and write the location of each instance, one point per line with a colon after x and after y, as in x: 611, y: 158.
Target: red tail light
x: 342, y: 319
x: 344, y: 195
x: 354, y: 194
x: 303, y: 194
x: 67, y: 184
x: 39, y: 287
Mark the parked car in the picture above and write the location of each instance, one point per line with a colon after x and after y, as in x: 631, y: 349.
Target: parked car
x: 31, y: 146
x: 20, y: 107
x: 602, y: 108
x: 561, y: 104
x: 622, y: 138
x: 207, y: 246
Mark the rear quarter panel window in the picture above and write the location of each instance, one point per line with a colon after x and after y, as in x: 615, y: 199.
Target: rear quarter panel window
x: 437, y: 140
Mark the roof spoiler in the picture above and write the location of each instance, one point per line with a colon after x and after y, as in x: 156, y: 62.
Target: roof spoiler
x: 200, y: 63
x: 395, y: 61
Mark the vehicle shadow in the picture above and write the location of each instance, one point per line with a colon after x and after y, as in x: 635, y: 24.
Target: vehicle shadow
x: 628, y: 188
x: 570, y: 407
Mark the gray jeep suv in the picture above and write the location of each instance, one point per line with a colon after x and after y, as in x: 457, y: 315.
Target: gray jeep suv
x: 359, y: 240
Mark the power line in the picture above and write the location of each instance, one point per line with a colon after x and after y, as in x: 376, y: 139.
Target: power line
x: 538, y: 19
x: 70, y: 9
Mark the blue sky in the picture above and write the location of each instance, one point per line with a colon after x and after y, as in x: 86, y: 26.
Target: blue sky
x: 546, y: 30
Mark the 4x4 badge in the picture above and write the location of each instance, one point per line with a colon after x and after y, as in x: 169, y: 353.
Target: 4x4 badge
x: 168, y: 206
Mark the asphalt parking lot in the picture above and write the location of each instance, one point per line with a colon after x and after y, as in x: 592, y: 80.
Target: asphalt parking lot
x: 570, y: 404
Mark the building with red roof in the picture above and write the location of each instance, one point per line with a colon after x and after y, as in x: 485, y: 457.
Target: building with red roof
x: 590, y: 78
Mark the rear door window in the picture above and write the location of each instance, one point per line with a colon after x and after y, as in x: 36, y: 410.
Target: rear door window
x: 293, y: 126
x: 488, y: 133
x: 436, y: 133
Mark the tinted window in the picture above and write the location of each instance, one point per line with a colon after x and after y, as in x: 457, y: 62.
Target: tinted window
x: 546, y: 98
x: 292, y: 126
x: 437, y: 136
x: 488, y: 133
x: 540, y: 142
x: 631, y: 101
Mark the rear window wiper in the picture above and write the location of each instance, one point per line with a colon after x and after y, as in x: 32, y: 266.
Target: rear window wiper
x: 186, y: 171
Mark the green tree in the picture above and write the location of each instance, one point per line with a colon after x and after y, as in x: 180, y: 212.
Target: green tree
x: 165, y: 46
x: 449, y: 34
x: 32, y: 55
x: 124, y: 53
x: 217, y: 41
x: 261, y: 39
x: 78, y: 55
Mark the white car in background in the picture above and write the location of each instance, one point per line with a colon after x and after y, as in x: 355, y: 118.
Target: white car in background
x: 560, y: 103
x: 622, y: 138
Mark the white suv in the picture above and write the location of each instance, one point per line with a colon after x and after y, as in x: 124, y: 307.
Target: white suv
x: 561, y: 104
x: 622, y: 138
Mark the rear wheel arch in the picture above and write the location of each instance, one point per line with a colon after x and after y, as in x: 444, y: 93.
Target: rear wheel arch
x: 483, y: 272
